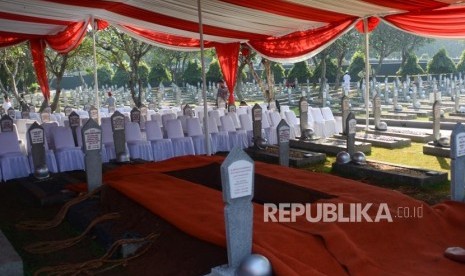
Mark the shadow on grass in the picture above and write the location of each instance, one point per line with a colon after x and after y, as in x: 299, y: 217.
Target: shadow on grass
x: 443, y: 163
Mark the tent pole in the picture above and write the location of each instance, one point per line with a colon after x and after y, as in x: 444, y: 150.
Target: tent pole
x: 204, y: 83
x: 367, y: 72
x: 97, y: 100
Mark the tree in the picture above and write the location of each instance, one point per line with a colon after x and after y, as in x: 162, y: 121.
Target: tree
x: 411, y: 67
x: 144, y: 73
x: 410, y: 43
x: 58, y: 64
x: 279, y: 72
x: 193, y: 73
x: 105, y: 73
x: 299, y: 71
x: 461, y: 64
x: 158, y: 74
x: 341, y: 48
x: 441, y: 63
x: 332, y: 71
x: 121, y: 77
x: 120, y: 49
x: 13, y: 60
x: 214, y: 72
x: 385, y: 41
x: 357, y: 65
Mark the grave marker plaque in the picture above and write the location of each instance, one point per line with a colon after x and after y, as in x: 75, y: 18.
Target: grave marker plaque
x: 232, y: 108
x: 237, y: 179
x: 93, y: 113
x: 187, y: 110
x: 345, y: 106
x: 351, y: 129
x: 25, y: 114
x: 436, y: 120
x: 284, y: 134
x: 457, y: 99
x: 135, y: 115
x: 45, y: 117
x: 386, y: 90
x: 303, y: 114
x: 92, y: 146
x: 457, y: 166
x: 6, y: 123
x: 37, y: 141
x: 11, y: 112
x: 48, y: 110
x: 68, y: 110
x: 74, y: 123
x: 257, y: 123
x: 377, y: 110
x: 119, y: 139
x: 143, y: 116
x: 394, y: 99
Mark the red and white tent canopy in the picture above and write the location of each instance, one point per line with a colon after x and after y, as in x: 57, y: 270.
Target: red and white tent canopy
x: 279, y: 30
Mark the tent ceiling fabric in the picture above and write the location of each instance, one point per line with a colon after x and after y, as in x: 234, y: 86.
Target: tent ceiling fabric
x: 281, y: 30
x: 172, y: 23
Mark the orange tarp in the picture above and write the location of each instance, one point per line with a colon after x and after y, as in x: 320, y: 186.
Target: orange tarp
x: 406, y: 246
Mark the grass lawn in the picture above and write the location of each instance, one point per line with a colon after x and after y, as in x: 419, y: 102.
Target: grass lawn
x: 409, y: 156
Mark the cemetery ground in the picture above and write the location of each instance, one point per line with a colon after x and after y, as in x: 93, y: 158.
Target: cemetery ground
x: 17, y: 206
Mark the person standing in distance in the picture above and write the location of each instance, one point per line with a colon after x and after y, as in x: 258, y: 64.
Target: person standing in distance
x: 222, y: 94
x: 6, y: 103
x: 110, y: 100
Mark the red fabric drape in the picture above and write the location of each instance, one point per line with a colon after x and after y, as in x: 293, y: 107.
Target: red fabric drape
x: 372, y: 24
x: 101, y: 24
x: 228, y: 56
x: 167, y: 39
x: 6, y: 41
x: 447, y: 22
x: 38, y: 58
x: 69, y: 39
x: 299, y: 43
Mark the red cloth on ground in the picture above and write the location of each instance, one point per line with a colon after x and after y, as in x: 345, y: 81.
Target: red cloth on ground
x: 406, y: 246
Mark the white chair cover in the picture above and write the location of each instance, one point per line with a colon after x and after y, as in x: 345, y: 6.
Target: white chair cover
x: 215, y: 114
x: 48, y: 130
x: 247, y: 126
x: 164, y: 118
x: 194, y: 130
x: 138, y: 148
x: 318, y: 127
x: 181, y: 145
x: 275, y: 118
x: 294, y: 124
x: 266, y: 125
x: 162, y: 149
x: 13, y: 163
x: 330, y: 121
x: 68, y: 156
x: 237, y: 138
x: 220, y: 139
x: 329, y: 128
x: 107, y: 140
x: 235, y: 119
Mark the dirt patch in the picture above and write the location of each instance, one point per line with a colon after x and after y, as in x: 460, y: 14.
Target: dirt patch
x: 292, y: 153
x: 395, y: 169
